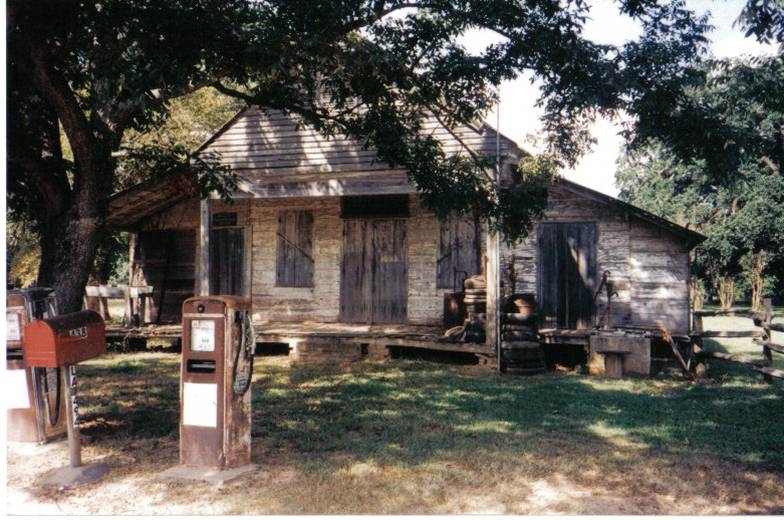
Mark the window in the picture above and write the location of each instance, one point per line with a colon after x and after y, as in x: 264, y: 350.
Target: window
x: 295, y: 249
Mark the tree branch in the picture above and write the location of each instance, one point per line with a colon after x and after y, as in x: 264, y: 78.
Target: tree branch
x: 767, y: 161
x: 54, y: 88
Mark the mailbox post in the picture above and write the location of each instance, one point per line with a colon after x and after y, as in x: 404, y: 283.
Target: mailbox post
x: 62, y: 342
x: 217, y: 365
x: 35, y: 397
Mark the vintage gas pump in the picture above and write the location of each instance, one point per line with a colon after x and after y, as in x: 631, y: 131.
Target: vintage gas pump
x: 60, y: 343
x: 35, y: 397
x: 218, y: 344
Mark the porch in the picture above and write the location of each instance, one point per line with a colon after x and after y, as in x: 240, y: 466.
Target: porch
x: 323, y: 342
x: 310, y: 337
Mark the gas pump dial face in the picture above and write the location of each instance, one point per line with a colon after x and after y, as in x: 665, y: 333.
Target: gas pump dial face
x: 202, y: 336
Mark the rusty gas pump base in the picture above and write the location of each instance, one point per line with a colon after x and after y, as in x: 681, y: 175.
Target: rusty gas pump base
x: 212, y: 475
x: 74, y: 476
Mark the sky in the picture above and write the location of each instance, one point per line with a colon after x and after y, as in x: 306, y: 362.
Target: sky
x: 596, y: 170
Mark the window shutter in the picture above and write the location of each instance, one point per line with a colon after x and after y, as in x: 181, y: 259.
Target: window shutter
x: 294, y: 266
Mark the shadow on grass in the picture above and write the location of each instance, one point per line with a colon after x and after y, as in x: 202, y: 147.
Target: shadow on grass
x: 710, y: 345
x: 413, y: 414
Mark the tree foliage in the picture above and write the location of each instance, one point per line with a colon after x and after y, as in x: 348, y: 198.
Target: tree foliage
x: 714, y: 163
x: 370, y: 69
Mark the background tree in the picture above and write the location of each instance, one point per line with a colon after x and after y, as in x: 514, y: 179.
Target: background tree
x: 713, y: 162
x: 369, y: 69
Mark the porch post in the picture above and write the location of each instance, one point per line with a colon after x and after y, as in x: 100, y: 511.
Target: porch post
x: 493, y: 324
x: 203, y: 280
x: 493, y: 281
x: 493, y: 294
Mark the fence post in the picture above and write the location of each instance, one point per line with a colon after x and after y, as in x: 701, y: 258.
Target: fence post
x: 697, y: 327
x: 767, y: 309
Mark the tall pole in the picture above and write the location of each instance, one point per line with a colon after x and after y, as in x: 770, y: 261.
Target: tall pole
x: 203, y: 283
x: 72, y: 418
x: 493, y: 262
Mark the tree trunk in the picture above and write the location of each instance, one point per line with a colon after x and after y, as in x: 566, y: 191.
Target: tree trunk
x: 726, y: 291
x: 697, y: 292
x: 759, y: 262
x: 67, y: 249
x: 69, y: 240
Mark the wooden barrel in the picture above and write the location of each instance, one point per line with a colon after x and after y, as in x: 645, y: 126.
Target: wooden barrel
x: 475, y: 282
x: 525, y: 305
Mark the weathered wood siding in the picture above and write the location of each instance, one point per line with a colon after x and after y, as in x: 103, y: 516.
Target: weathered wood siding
x: 648, y: 265
x: 659, y: 275
x: 322, y: 301
x: 276, y: 155
x: 165, y: 258
x: 183, y: 215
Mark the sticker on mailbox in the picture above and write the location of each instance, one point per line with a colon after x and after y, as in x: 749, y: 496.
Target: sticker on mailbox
x: 203, y: 336
x: 13, y: 327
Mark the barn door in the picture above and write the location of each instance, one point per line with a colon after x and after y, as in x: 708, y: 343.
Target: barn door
x: 374, y: 271
x: 566, y: 274
x: 227, y: 254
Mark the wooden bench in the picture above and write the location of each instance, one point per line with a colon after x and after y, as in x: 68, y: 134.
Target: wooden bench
x: 135, y: 298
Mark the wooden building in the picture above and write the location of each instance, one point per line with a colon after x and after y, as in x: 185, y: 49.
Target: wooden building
x: 329, y: 242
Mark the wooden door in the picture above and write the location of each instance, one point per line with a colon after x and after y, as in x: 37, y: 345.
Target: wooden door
x: 389, y: 272
x: 374, y: 273
x: 566, y: 274
x: 227, y: 266
x: 459, y: 252
x: 355, y: 280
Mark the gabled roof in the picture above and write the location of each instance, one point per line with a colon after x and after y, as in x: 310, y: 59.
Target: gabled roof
x: 278, y: 155
x: 261, y: 146
x: 692, y: 237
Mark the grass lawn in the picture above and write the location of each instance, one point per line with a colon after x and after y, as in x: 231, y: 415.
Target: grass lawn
x: 407, y: 436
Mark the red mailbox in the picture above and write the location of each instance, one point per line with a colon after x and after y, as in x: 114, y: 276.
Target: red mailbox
x: 64, y: 340
x: 34, y: 396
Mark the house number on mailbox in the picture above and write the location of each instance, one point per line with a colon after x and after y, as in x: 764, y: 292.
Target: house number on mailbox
x: 79, y: 332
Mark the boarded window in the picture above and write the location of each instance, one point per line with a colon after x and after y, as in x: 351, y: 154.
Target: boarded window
x: 458, y: 256
x: 295, y: 249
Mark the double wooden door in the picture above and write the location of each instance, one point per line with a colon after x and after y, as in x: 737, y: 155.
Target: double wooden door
x: 374, y: 272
